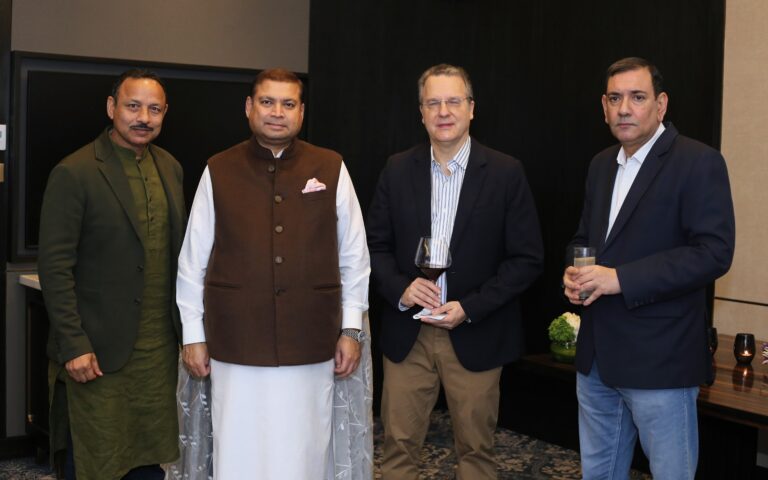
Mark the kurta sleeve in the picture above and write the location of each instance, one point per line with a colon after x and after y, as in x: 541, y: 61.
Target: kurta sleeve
x: 354, y: 262
x: 193, y: 261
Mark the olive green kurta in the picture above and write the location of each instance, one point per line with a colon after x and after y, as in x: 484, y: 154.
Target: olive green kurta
x: 127, y: 418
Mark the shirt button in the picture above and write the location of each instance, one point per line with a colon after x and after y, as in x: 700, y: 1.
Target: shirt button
x: 271, y: 169
x: 278, y: 259
x: 278, y: 198
x: 279, y: 229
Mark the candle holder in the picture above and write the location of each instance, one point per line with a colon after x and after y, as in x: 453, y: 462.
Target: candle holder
x: 712, y: 340
x: 744, y: 348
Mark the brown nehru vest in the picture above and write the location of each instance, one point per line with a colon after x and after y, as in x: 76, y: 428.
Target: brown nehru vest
x: 272, y: 288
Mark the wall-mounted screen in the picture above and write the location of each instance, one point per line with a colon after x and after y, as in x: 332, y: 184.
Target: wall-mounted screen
x: 60, y: 105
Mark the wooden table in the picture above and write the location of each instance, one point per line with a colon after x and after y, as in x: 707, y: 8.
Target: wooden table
x: 731, y: 410
x: 739, y: 394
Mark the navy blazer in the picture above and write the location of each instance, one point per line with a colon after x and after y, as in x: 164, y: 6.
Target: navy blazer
x: 673, y: 236
x: 496, y: 249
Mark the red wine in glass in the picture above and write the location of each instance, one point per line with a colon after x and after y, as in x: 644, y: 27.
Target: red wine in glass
x: 431, y: 272
x: 432, y: 257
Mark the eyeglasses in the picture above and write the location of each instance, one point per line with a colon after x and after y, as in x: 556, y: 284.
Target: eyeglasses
x: 452, y: 103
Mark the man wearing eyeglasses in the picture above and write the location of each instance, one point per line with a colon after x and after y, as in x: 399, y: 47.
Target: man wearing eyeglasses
x: 460, y: 330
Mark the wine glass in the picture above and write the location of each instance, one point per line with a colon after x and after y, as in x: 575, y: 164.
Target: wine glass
x: 433, y: 258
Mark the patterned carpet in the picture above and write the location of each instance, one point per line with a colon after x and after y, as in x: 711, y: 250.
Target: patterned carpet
x: 519, y: 457
x: 24, y: 469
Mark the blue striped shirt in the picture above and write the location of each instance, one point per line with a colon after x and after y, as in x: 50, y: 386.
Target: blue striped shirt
x: 445, y: 199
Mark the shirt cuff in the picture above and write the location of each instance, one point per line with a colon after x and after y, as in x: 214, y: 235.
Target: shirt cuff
x: 193, y: 332
x: 351, y: 318
x: 402, y: 307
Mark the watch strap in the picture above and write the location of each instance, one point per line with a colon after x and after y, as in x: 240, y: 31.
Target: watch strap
x: 353, y: 333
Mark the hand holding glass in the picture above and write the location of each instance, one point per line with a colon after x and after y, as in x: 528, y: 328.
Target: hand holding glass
x: 433, y: 258
x: 583, y: 257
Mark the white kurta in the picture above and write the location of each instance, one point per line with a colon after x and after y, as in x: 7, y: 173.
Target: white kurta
x: 251, y: 402
x: 272, y: 422
x: 352, y: 424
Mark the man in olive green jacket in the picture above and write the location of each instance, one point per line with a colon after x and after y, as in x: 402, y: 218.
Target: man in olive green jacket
x: 112, y: 224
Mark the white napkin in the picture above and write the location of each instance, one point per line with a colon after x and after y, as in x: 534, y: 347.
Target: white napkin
x: 427, y: 313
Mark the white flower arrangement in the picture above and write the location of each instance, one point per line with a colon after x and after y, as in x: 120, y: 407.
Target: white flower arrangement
x: 574, y: 321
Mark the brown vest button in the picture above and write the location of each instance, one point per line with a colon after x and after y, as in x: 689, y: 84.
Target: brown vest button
x: 278, y: 198
x: 278, y: 259
x: 271, y: 169
x: 279, y: 229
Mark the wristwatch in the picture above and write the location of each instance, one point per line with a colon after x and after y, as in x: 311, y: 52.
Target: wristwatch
x: 354, y: 334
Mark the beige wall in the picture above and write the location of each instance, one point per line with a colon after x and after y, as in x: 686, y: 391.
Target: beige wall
x: 229, y: 33
x: 745, y: 147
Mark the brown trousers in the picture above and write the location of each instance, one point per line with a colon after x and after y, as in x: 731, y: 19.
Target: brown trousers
x: 410, y: 391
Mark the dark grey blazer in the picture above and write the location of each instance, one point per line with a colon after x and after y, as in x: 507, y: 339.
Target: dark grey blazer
x: 91, y: 253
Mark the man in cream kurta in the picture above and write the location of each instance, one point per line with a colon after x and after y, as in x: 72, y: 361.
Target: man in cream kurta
x: 272, y: 285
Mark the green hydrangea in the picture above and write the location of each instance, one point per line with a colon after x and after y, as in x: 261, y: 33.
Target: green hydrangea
x: 560, y: 331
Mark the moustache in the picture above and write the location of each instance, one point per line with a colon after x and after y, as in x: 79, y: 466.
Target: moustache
x: 142, y: 126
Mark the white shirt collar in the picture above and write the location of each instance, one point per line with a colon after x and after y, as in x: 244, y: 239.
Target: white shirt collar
x: 642, y: 152
x: 461, y: 158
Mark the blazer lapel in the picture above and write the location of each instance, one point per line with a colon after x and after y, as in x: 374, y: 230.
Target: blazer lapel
x: 421, y: 181
x: 470, y: 190
x: 113, y: 172
x: 648, y: 171
x: 604, y: 196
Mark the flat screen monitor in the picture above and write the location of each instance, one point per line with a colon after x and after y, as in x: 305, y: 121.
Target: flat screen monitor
x: 60, y: 105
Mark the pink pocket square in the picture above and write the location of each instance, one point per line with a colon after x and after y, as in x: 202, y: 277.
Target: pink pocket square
x: 313, y: 186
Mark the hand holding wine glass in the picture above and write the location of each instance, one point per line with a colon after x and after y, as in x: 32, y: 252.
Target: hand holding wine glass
x: 433, y: 257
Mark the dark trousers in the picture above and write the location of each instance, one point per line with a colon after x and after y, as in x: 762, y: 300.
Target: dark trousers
x: 146, y: 472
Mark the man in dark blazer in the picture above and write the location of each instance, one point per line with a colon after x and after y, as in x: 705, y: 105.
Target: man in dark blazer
x: 112, y: 224
x: 478, y: 201
x: 658, y: 210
